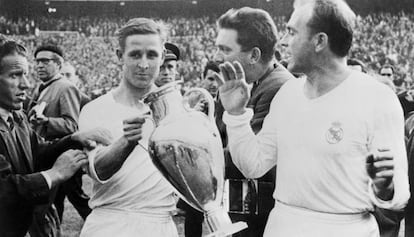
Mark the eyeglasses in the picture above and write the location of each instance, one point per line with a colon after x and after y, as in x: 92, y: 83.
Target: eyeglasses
x: 386, y: 74
x: 44, y: 61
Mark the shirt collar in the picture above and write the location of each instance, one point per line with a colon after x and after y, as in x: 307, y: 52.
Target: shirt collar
x: 5, y: 114
x: 55, y: 78
x: 268, y: 72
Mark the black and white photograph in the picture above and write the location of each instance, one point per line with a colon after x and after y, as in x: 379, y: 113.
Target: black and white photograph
x: 206, y: 118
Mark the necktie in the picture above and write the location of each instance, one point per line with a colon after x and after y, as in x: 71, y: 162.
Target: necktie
x: 37, y: 93
x: 41, y: 88
x: 10, y: 122
x: 17, y: 148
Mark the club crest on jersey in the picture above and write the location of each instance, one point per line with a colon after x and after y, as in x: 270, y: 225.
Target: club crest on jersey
x: 335, y: 133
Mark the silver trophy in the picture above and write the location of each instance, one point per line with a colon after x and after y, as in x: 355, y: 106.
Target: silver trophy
x: 186, y: 147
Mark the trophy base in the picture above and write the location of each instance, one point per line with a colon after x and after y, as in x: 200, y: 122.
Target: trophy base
x: 220, y: 224
x: 228, y: 229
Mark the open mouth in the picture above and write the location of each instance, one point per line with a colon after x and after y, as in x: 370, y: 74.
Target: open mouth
x: 21, y: 97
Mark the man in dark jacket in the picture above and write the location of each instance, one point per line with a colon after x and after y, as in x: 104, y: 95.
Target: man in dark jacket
x: 61, y: 101
x: 29, y: 167
x: 249, y: 36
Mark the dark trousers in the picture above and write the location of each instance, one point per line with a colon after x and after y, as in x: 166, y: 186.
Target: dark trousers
x: 409, y: 219
x: 46, y: 222
x: 388, y: 221
x: 193, y: 224
x: 72, y: 188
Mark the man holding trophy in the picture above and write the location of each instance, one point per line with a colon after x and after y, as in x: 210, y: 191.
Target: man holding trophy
x: 129, y: 197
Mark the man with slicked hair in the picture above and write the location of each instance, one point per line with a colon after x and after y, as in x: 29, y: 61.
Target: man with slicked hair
x: 249, y: 36
x: 29, y: 167
x: 130, y: 197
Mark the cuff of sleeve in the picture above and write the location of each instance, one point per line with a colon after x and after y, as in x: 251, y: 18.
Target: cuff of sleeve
x: 47, y: 178
x: 92, y: 170
x: 237, y: 120
x: 378, y: 202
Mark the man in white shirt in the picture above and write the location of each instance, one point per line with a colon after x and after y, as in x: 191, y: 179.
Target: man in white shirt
x: 129, y: 196
x: 337, y: 135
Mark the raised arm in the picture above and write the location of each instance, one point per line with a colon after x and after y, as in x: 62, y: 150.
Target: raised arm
x: 253, y: 154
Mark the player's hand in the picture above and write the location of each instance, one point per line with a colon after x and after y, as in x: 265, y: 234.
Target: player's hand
x: 133, y: 129
x: 380, y: 168
x: 233, y: 89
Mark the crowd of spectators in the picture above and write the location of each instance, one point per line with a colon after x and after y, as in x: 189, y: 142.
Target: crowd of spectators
x: 89, y: 44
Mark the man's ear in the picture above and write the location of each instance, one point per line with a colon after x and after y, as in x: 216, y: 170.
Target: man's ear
x: 119, y: 54
x: 320, y: 41
x: 255, y: 55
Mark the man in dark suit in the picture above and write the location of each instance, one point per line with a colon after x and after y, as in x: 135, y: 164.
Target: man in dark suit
x: 249, y: 36
x: 29, y: 167
x: 62, y: 103
x: 61, y: 97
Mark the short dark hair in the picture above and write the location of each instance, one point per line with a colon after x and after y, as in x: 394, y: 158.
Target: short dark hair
x: 10, y: 47
x: 49, y: 47
x: 356, y: 62
x: 336, y: 19
x: 140, y: 26
x: 255, y: 28
x: 211, y: 65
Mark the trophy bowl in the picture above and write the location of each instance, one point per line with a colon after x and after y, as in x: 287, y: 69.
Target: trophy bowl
x: 186, y: 147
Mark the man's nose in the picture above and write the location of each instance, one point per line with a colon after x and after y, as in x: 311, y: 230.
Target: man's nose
x: 283, y: 41
x: 24, y: 83
x: 218, y: 57
x: 143, y: 63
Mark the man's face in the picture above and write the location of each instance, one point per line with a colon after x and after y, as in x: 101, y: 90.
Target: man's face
x: 168, y: 72
x: 297, y: 41
x: 387, y: 73
x: 210, y: 84
x: 47, y: 65
x: 13, y: 82
x: 142, y: 59
x: 69, y: 73
x: 229, y: 50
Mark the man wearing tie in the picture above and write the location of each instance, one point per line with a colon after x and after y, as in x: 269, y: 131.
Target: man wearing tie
x: 62, y: 98
x: 62, y: 102
x: 28, y: 165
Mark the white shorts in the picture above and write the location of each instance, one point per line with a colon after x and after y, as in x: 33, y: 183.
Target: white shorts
x: 104, y: 222
x: 291, y: 221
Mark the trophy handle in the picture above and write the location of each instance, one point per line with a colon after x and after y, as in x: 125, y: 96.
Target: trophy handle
x: 208, y: 97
